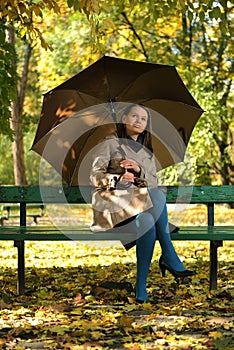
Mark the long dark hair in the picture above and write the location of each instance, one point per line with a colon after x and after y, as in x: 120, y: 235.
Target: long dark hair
x: 146, y: 139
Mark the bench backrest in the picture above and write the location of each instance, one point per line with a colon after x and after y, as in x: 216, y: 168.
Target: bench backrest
x: 75, y: 194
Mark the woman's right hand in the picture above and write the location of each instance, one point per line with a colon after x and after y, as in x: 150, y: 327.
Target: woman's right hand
x: 130, y: 164
x: 127, y: 177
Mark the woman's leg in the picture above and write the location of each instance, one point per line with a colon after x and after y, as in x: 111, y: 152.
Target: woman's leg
x: 143, y: 226
x: 144, y: 251
x: 159, y: 212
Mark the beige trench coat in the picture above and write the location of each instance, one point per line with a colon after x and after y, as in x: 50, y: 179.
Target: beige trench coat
x: 111, y: 204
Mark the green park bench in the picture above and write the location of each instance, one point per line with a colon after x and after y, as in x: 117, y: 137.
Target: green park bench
x: 25, y: 195
x: 12, y: 211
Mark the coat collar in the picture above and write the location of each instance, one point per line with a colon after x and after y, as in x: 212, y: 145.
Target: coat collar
x: 136, y: 146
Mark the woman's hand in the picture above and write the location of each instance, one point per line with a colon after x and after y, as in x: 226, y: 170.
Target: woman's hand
x: 127, y: 177
x: 130, y: 164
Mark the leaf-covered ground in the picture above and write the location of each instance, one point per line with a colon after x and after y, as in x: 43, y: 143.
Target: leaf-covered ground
x: 65, y: 307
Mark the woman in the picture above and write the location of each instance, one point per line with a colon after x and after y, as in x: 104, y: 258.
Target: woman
x: 127, y: 197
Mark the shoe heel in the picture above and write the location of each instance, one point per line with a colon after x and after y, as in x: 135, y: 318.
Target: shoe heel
x: 177, y: 274
x: 163, y: 270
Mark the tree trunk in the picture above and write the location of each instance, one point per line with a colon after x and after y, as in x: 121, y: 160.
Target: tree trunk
x: 16, y: 121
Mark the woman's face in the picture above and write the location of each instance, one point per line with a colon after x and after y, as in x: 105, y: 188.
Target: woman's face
x: 135, y: 121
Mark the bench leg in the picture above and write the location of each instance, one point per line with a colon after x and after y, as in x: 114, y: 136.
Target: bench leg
x: 21, y: 267
x: 214, y: 245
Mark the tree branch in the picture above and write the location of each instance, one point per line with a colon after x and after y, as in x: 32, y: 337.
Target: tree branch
x: 136, y: 35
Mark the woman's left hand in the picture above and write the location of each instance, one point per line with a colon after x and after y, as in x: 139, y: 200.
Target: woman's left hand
x: 130, y: 164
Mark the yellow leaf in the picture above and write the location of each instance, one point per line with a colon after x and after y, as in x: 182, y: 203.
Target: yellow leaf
x: 3, y: 13
x: 58, y: 329
x: 215, y: 334
x: 36, y: 9
x: 107, y: 23
x: 95, y: 6
x: 147, y: 306
x: 126, y: 321
x: 39, y: 313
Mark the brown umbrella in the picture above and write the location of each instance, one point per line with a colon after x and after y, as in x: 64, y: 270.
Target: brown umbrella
x: 79, y: 113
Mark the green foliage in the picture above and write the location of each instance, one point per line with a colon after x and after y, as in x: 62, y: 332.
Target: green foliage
x: 6, y: 165
x: 24, y: 17
x: 67, y: 37
x: 211, y: 133
x: 32, y: 159
x: 8, y: 80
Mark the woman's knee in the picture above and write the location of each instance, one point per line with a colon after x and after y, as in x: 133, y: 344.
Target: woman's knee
x: 157, y: 194
x: 146, y: 227
x: 145, y: 221
x: 158, y: 199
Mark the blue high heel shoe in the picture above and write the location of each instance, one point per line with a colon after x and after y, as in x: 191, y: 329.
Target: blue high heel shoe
x: 182, y: 274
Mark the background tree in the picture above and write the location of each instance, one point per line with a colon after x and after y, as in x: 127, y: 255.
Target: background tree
x: 18, y: 17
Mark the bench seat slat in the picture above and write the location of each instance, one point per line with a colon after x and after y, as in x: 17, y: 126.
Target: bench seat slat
x: 189, y: 233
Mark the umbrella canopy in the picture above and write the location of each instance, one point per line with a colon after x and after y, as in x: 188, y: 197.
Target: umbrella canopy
x: 80, y: 112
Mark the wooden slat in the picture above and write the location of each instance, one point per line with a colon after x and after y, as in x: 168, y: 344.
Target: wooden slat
x: 190, y: 236
x: 48, y: 194
x: 51, y: 233
x: 200, y: 194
